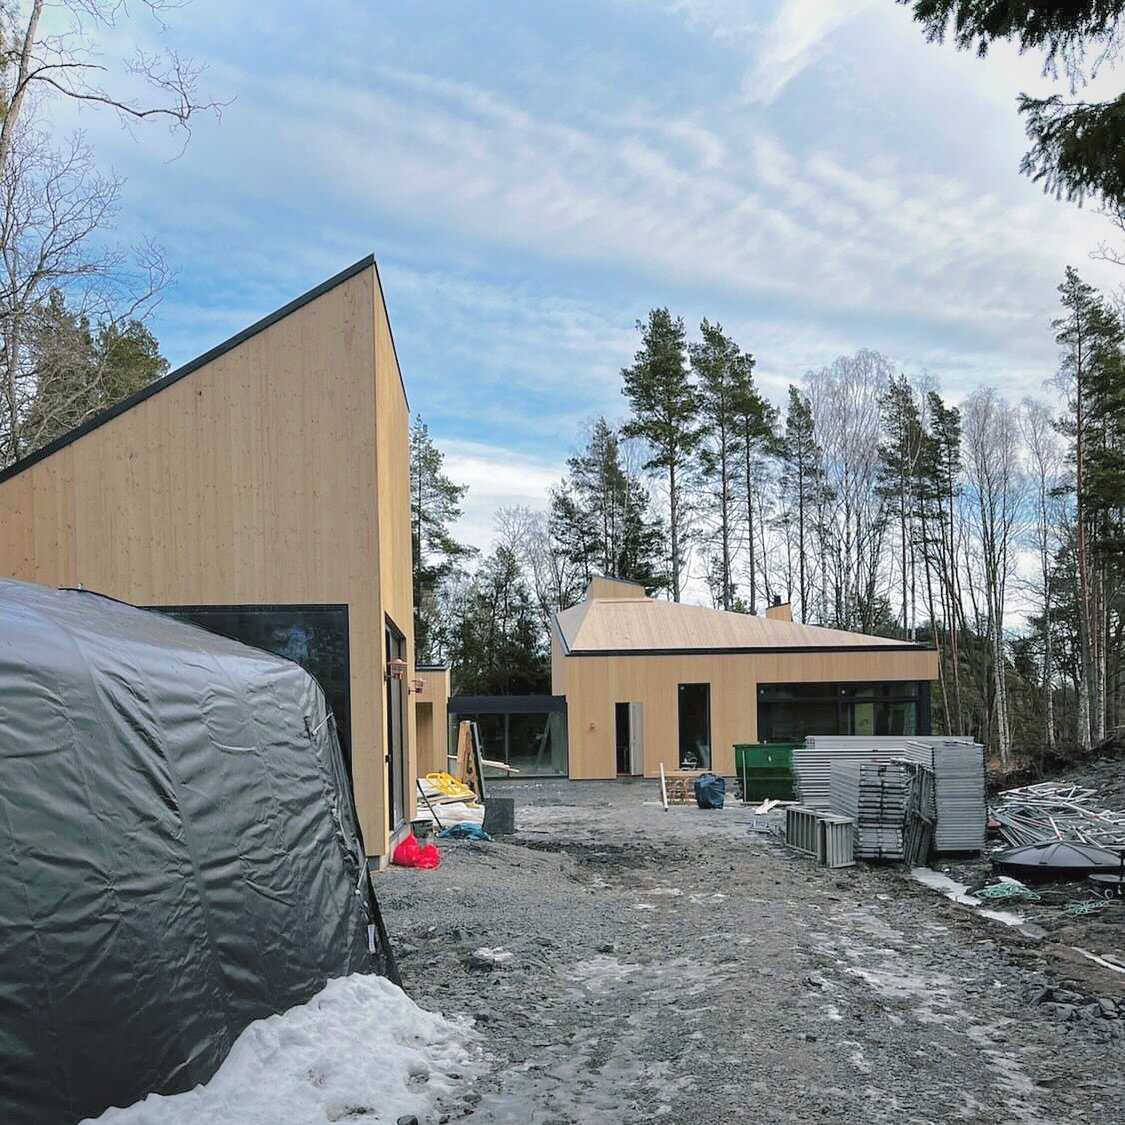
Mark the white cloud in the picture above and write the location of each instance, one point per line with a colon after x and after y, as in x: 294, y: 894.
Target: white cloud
x: 793, y: 41
x: 496, y: 477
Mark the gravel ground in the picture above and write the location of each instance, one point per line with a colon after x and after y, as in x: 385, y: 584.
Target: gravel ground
x: 626, y: 964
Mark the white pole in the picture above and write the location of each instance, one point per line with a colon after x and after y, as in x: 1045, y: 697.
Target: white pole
x: 663, y: 788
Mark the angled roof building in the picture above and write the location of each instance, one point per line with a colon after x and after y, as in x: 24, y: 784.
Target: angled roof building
x: 261, y: 490
x: 650, y: 682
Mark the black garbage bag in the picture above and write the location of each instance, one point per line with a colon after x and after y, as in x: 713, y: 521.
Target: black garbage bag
x: 710, y: 791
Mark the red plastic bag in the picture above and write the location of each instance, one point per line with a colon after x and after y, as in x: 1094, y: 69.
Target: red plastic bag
x: 411, y: 854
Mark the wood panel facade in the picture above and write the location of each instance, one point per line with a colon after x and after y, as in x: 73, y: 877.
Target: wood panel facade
x: 431, y: 712
x: 595, y: 684
x: 273, y: 470
x: 603, y: 657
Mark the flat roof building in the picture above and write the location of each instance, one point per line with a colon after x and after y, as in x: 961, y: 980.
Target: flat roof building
x: 651, y: 682
x: 261, y: 490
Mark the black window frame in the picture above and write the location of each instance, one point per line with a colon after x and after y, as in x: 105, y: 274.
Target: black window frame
x: 844, y: 693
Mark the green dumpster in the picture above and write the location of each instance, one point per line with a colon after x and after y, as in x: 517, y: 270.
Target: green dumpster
x: 766, y: 770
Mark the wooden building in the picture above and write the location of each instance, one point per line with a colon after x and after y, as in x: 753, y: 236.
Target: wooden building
x: 261, y: 490
x: 431, y: 706
x: 650, y: 682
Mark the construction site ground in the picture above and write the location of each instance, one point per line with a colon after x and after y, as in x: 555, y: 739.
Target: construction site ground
x: 627, y: 964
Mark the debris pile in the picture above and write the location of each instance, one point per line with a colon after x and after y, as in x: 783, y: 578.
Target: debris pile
x: 1035, y: 814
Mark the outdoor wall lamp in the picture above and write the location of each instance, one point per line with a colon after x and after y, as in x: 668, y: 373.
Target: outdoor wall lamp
x: 396, y: 670
x: 416, y: 687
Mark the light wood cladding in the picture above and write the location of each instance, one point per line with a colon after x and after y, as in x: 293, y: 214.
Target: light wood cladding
x: 277, y: 472
x: 613, y: 588
x: 608, y: 650
x: 645, y: 624
x: 431, y: 710
x: 594, y: 684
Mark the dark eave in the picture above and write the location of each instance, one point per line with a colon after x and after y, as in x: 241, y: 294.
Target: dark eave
x: 792, y: 650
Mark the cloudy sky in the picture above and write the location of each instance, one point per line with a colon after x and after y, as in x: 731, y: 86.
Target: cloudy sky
x: 533, y: 177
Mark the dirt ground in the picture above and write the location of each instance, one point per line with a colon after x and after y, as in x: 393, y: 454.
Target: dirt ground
x: 626, y: 964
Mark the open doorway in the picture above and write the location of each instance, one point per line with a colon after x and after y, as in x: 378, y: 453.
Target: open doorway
x: 695, y: 726
x: 630, y: 739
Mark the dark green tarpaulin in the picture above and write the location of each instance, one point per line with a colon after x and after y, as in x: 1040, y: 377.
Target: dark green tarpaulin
x: 178, y: 852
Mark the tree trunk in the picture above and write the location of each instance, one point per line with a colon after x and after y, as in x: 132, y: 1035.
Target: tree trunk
x: 674, y: 521
x: 12, y: 111
x: 750, y: 526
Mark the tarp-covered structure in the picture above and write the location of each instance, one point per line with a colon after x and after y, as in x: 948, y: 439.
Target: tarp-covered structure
x: 178, y: 851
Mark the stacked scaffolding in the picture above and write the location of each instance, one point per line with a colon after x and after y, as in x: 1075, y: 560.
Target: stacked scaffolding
x: 956, y: 765
x: 892, y: 805
x: 959, y: 790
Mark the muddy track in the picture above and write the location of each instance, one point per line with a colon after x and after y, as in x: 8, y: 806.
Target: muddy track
x: 627, y: 965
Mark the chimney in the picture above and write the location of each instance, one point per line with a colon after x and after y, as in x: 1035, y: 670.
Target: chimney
x: 779, y: 611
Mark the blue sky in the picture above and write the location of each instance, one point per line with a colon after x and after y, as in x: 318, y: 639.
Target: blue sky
x: 534, y: 177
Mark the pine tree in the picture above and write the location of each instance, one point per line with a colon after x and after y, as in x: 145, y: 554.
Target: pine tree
x: 665, y: 414
x: 435, y: 503
x: 1104, y: 505
x: 722, y: 379
x: 756, y: 422
x: 129, y: 359
x: 939, y: 490
x: 64, y: 361
x: 496, y: 645
x: 78, y: 372
x: 600, y: 519
x: 900, y: 459
x: 1085, y: 334
x: 806, y: 484
x: 1076, y: 147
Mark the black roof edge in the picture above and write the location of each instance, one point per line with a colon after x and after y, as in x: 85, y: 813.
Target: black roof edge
x: 796, y: 650
x: 564, y: 644
x: 156, y: 387
x: 390, y: 328
x: 431, y: 667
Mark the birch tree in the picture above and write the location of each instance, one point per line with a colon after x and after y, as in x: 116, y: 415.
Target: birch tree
x: 993, y: 474
x: 845, y: 399
x: 53, y: 200
x: 1047, y: 472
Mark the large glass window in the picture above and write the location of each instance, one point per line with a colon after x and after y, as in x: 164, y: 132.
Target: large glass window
x: 791, y: 712
x: 527, y: 732
x: 695, y: 726
x: 314, y: 636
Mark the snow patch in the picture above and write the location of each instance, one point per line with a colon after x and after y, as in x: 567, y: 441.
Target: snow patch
x: 958, y: 892
x: 360, y: 1050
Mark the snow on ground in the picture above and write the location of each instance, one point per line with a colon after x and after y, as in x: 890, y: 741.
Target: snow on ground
x: 360, y: 1050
